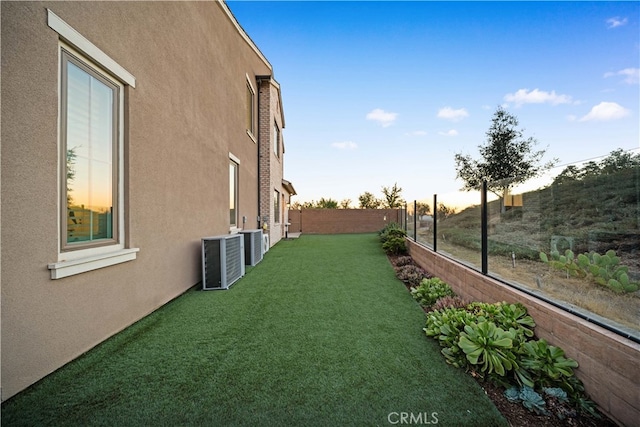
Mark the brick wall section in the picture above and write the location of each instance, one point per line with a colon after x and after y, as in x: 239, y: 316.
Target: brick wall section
x: 264, y: 128
x: 609, y: 364
x: 271, y: 163
x: 341, y: 221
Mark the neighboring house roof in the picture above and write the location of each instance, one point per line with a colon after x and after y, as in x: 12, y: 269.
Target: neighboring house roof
x: 289, y: 187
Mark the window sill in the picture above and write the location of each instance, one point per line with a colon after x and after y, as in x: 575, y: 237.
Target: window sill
x: 69, y: 268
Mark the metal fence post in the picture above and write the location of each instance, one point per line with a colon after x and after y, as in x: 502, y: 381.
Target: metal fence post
x: 435, y: 223
x: 484, y: 228
x: 415, y: 220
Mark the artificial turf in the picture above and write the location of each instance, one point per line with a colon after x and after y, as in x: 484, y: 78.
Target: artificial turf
x: 318, y: 333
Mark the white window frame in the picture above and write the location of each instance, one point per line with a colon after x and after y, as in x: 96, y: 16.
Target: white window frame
x: 276, y: 139
x: 252, y: 110
x: 276, y: 207
x: 72, y: 262
x: 236, y: 161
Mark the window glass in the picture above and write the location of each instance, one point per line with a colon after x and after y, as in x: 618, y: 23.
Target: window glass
x: 89, y: 137
x: 233, y: 193
x: 276, y: 206
x: 276, y: 139
x: 250, y: 98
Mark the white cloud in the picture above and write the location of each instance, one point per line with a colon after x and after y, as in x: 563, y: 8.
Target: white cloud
x: 606, y: 111
x: 417, y: 133
x: 384, y: 118
x: 537, y: 96
x: 631, y: 75
x: 616, y: 21
x: 449, y: 113
x: 451, y: 132
x: 346, y: 145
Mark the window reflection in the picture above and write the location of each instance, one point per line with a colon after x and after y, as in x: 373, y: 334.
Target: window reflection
x: 89, y: 135
x: 233, y: 193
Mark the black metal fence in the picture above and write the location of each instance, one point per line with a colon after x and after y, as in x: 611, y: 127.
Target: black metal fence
x: 572, y: 242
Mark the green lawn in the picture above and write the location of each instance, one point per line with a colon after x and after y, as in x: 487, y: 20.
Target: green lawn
x: 319, y: 333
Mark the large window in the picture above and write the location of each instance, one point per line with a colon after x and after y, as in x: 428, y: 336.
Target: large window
x: 233, y: 193
x: 276, y: 139
x: 276, y: 206
x: 91, y: 142
x: 89, y: 136
x: 250, y: 108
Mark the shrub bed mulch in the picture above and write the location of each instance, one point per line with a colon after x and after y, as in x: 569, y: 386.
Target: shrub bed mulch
x: 516, y: 414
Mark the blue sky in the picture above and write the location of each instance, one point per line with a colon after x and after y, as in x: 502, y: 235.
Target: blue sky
x: 381, y: 92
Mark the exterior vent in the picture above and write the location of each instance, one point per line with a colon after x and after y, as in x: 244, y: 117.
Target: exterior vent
x: 253, y: 248
x: 222, y: 261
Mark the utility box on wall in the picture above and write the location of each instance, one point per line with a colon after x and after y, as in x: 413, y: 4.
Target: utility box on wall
x: 222, y: 261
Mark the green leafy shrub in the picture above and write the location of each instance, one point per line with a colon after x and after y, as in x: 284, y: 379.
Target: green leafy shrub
x: 445, y: 326
x: 391, y: 230
x: 430, y: 290
x: 489, y: 347
x: 496, y: 342
x: 547, y: 364
x: 507, y: 316
x: 395, y: 246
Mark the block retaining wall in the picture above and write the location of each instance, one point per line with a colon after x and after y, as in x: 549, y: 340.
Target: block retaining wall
x: 341, y: 221
x: 609, y: 364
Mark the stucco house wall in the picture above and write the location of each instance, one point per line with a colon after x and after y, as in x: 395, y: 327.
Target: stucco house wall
x: 184, y: 120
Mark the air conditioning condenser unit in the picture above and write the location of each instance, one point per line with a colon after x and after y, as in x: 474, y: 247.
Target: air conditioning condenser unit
x: 222, y: 261
x: 253, y: 247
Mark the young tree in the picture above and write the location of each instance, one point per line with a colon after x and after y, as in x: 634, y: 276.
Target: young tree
x: 507, y: 158
x: 345, y: 204
x: 368, y: 201
x: 445, y: 211
x: 326, y: 204
x: 305, y: 205
x: 423, y: 208
x: 392, y: 197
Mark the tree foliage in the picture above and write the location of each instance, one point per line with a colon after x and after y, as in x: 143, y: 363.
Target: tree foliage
x: 422, y: 208
x: 445, y: 211
x: 320, y: 204
x: 345, y: 204
x: 326, y: 204
x: 368, y: 201
x: 616, y: 161
x: 507, y: 158
x: 392, y: 197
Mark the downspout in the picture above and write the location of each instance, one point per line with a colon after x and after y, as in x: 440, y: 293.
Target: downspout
x: 258, y: 81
